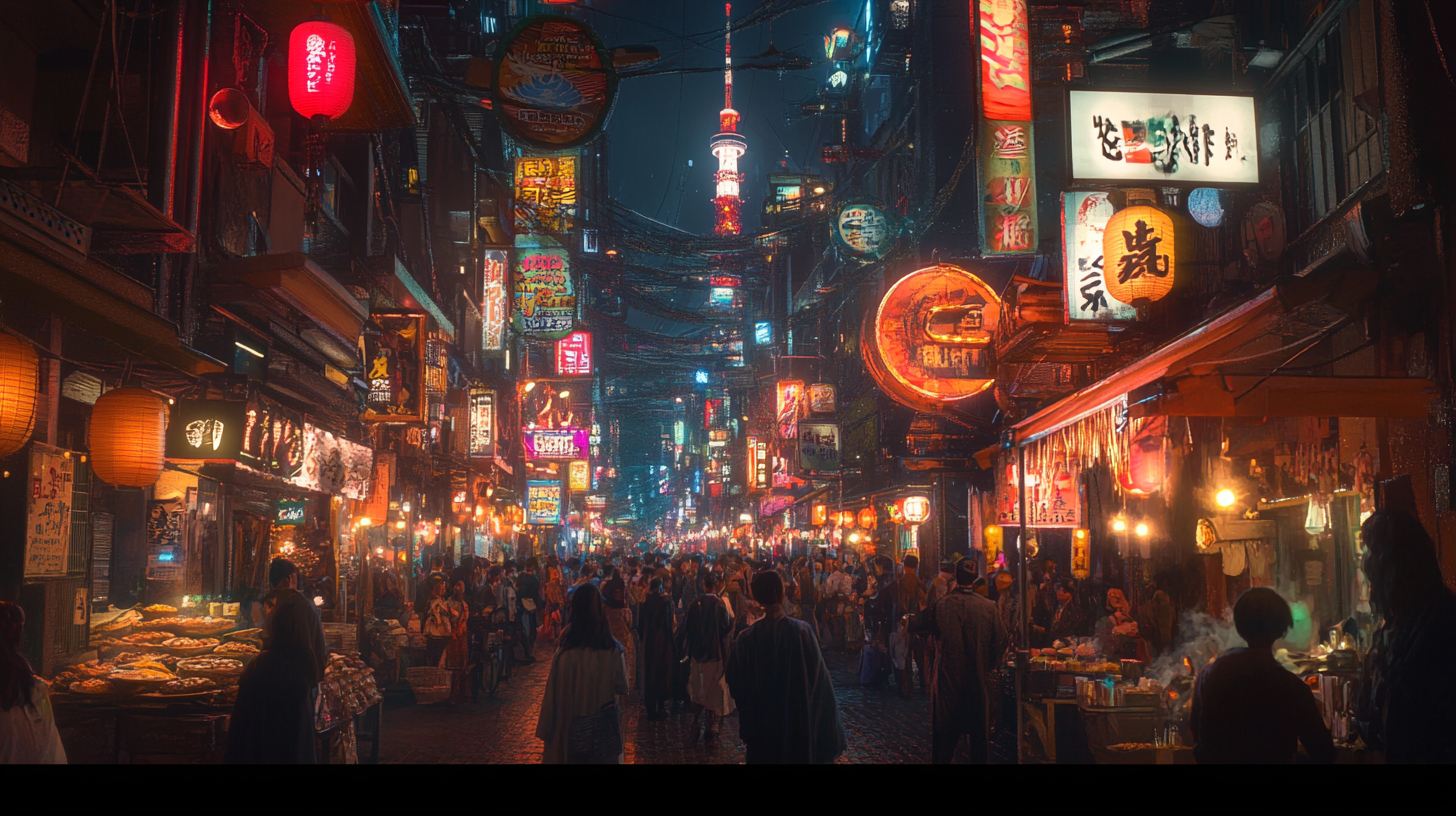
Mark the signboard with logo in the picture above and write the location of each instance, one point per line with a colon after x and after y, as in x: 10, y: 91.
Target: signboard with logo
x: 482, y: 423
x: 566, y: 443
x: 394, y: 368
x: 574, y: 355
x: 272, y: 440
x: 819, y: 447
x: 333, y: 464
x: 579, y: 475
x: 553, y: 83
x: 545, y: 295
x: 545, y: 195
x: 1006, y: 166
x: 495, y: 303
x: 1136, y: 137
x: 1052, y: 496
x: 596, y: 502
x: 1084, y: 221
x: 543, y: 502
x: 210, y: 430
x: 863, y: 229
x: 758, y: 464
x: 790, y: 393
x: 821, y: 398
x: 48, y: 511
x: 165, y: 539
x: 288, y: 512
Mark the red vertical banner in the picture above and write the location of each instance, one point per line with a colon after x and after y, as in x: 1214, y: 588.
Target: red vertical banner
x: 1008, y: 195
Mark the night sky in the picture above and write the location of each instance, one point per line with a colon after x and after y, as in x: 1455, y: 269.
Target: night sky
x: 660, y: 122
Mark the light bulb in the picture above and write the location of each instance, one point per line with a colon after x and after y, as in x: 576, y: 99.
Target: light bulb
x: 1142, y: 529
x: 379, y: 550
x: 399, y: 525
x: 529, y: 386
x: 1119, y: 525
x: 1225, y: 498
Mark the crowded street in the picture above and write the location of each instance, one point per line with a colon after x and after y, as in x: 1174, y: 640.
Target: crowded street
x: 693, y: 382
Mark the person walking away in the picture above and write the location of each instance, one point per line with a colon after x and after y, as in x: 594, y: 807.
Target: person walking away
x: 787, y: 711
x: 1249, y: 710
x: 28, y: 734
x: 654, y: 637
x: 911, y: 597
x: 619, y: 618
x: 806, y: 593
x: 273, y: 717
x: 971, y: 642
x: 1405, y: 707
x: 879, y: 623
x: 1008, y: 606
x: 528, y: 595
x: 580, y: 719
x: 941, y: 584
x: 706, y: 631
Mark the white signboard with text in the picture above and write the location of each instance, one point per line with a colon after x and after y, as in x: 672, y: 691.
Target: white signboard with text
x: 1161, y: 138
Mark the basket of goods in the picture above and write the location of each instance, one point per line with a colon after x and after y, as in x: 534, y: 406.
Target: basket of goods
x: 189, y: 647
x: 223, y: 670
x: 207, y: 626
x: 245, y: 652
x: 430, y: 684
x: 131, y: 681
x: 158, y: 611
x: 254, y: 636
x: 119, y: 626
x: 92, y: 669
x: 126, y: 658
x: 168, y: 623
x: 93, y: 688
x: 144, y: 639
x: 185, y: 687
x: 144, y: 664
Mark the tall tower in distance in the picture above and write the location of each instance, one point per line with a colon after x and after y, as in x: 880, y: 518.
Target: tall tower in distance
x: 728, y: 146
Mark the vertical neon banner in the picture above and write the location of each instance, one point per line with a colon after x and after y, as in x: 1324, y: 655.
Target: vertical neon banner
x: 1008, y: 194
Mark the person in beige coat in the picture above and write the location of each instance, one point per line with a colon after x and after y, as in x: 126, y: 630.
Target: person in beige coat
x: 580, y: 718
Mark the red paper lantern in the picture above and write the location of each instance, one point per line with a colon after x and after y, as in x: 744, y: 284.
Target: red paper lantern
x: 320, y: 69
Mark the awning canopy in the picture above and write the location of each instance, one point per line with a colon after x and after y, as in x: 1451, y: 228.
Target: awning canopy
x: 1202, y: 372
x: 299, y: 282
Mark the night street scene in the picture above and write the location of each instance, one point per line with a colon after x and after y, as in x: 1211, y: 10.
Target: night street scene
x: 689, y: 382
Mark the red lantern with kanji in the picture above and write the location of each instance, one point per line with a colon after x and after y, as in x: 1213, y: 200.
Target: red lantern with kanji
x: 320, y: 69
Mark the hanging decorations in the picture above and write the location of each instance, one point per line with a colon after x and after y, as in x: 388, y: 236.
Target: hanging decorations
x: 867, y: 518
x: 915, y: 509
x: 1138, y: 249
x: 128, y: 437
x: 320, y: 69
x: 19, y: 389
x: 1147, y: 466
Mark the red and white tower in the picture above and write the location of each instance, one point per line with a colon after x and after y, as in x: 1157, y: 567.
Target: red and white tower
x: 728, y: 146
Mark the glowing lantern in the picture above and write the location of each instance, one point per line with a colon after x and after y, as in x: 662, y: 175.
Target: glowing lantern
x: 991, y: 543
x: 867, y: 518
x: 320, y: 69
x: 916, y: 509
x: 19, y: 374
x: 1137, y: 249
x: 1081, y: 554
x: 820, y: 515
x: 1147, y: 460
x: 128, y: 437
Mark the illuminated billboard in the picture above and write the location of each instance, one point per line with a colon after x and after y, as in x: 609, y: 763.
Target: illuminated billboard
x: 1162, y: 138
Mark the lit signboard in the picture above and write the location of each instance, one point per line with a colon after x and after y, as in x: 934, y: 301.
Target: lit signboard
x: 763, y: 333
x: 1007, y: 174
x: 206, y: 429
x: 821, y: 398
x: 482, y: 423
x: 288, y: 512
x: 394, y: 365
x: 721, y: 297
x: 567, y: 443
x: 545, y: 195
x: 1084, y: 220
x: 333, y: 464
x: 495, y: 303
x: 1162, y: 138
x: 574, y: 355
x: 790, y: 392
x: 579, y: 475
x: 819, y: 447
x: 545, y: 295
x: 543, y: 502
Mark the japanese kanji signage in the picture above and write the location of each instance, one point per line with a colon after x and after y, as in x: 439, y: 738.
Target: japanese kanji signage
x: 394, y: 365
x: 554, y: 82
x: 1084, y: 219
x: 1052, y: 496
x: 165, y: 552
x: 545, y: 195
x: 48, y: 511
x: 758, y: 464
x: 574, y: 355
x: 494, y: 302
x: 1008, y: 201
x: 545, y: 295
x: 210, y: 430
x: 579, y: 475
x: 864, y: 230
x: 819, y: 447
x: 1139, y: 247
x: 790, y: 393
x: 482, y: 423
x: 566, y: 443
x: 1120, y: 136
x: 543, y: 502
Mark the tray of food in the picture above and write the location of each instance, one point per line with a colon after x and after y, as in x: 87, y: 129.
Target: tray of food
x: 254, y: 636
x: 184, y: 688
x: 143, y: 639
x: 158, y: 611
x: 206, y: 626
x: 136, y: 680
x: 224, y: 670
x: 245, y: 652
x: 94, y: 687
x: 159, y: 624
x: 189, y: 647
x: 150, y: 656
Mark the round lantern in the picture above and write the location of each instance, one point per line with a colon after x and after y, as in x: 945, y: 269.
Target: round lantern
x: 867, y: 518
x: 19, y: 375
x: 1137, y: 252
x: 128, y: 429
x: 915, y: 509
x: 320, y: 69
x: 1081, y: 554
x: 991, y: 539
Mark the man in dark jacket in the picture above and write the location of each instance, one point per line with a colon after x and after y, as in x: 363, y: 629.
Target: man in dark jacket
x: 787, y: 712
x: 705, y: 640
x: 971, y: 642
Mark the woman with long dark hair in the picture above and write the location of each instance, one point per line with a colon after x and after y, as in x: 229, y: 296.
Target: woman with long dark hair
x: 579, y: 719
x: 28, y: 733
x: 1405, y: 706
x: 654, y: 630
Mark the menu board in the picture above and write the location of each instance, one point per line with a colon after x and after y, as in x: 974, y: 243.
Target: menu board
x: 164, y: 540
x: 48, y: 511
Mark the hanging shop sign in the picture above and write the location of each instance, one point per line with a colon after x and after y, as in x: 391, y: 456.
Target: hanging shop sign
x: 1147, y: 459
x: 567, y: 443
x: 863, y: 229
x: 930, y: 338
x: 1052, y: 496
x: 821, y: 398
x: 554, y: 83
x: 482, y: 423
x: 712, y: 412
x: 915, y: 509
x: 272, y: 440
x: 494, y: 304
x: 1007, y: 176
x: 1161, y: 138
x: 288, y: 512
x: 1138, y: 250
x: 574, y: 355
x: 545, y: 295
x: 839, y: 45
x: 210, y: 430
x: 790, y: 394
x: 48, y: 511
x: 320, y: 69
x: 718, y: 438
x: 579, y: 475
x: 394, y: 362
x: 543, y: 502
x: 758, y: 464
x: 333, y: 464
x: 545, y: 195
x: 1084, y: 221
x: 165, y: 551
x: 819, y: 447
x: 596, y: 503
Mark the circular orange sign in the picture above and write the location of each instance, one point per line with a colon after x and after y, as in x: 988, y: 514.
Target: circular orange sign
x: 932, y: 334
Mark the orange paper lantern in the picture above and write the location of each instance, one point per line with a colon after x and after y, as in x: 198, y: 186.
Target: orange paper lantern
x: 867, y: 518
x: 19, y: 378
x: 915, y: 509
x: 1137, y: 250
x: 128, y: 433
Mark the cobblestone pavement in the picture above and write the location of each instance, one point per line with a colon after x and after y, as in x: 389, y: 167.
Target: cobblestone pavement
x: 880, y: 728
